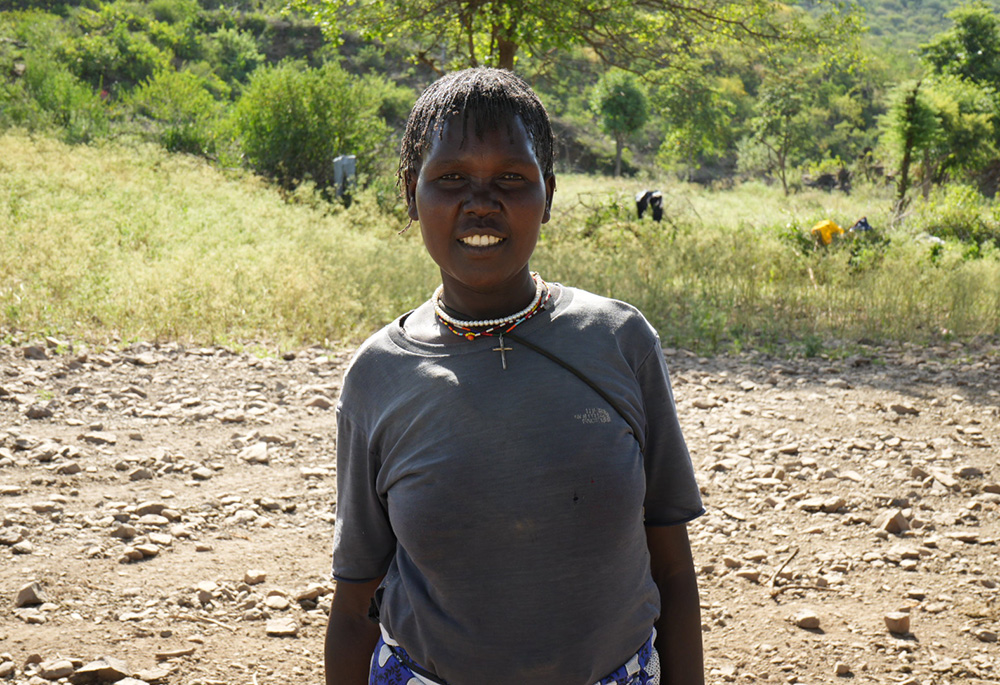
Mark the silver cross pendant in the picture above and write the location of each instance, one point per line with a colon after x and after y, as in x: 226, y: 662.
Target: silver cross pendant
x: 503, y: 352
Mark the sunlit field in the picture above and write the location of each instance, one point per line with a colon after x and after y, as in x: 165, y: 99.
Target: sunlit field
x: 114, y: 243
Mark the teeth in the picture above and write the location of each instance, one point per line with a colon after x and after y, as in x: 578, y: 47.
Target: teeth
x: 481, y: 240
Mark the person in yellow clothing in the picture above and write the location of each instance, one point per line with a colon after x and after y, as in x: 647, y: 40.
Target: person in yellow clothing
x: 825, y: 231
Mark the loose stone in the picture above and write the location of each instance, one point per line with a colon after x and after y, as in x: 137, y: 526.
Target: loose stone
x: 282, y: 627
x: 30, y: 595
x: 897, y: 622
x: 806, y: 618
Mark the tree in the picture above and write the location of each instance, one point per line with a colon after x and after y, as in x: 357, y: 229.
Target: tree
x: 292, y: 122
x: 946, y: 125
x: 702, y: 110
x: 635, y: 35
x: 784, y: 123
x: 621, y: 107
x: 909, y: 125
x: 970, y: 49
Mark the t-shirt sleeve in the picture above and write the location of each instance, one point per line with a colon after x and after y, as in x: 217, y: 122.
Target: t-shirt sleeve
x: 672, y: 495
x: 363, y: 541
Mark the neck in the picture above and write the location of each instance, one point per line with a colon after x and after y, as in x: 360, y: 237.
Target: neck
x: 470, y: 304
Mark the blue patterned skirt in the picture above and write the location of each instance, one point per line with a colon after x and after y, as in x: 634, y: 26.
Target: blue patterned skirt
x: 391, y: 665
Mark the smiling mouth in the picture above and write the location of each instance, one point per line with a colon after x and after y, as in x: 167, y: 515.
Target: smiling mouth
x: 481, y: 240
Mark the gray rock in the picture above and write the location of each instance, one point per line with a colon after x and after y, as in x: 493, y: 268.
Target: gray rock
x: 152, y: 675
x: 282, y: 627
x: 806, y: 618
x: 150, y: 508
x: 38, y: 411
x: 984, y: 635
x: 105, y: 670
x: 54, y: 670
x: 30, y: 595
x: 99, y: 438
x: 254, y: 576
x: 202, y: 473
x: 320, y: 402
x: 23, y: 547
x: 892, y: 521
x: 35, y: 352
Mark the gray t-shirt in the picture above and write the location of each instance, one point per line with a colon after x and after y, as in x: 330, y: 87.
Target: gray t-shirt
x: 506, y: 508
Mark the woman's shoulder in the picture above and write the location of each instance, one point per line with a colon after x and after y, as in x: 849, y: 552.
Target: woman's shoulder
x: 587, y: 309
x: 375, y: 356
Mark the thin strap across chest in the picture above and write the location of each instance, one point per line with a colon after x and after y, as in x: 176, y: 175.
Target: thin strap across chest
x: 636, y: 433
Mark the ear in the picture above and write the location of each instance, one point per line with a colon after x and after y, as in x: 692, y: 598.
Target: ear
x: 550, y: 189
x: 411, y: 195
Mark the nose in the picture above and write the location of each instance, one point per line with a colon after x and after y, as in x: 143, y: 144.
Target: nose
x: 481, y: 199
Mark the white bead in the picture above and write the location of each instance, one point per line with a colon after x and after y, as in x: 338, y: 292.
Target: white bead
x: 439, y: 308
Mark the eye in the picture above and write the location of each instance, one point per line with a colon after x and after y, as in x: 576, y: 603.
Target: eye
x: 511, y: 176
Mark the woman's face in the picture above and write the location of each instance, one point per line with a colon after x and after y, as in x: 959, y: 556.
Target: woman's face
x: 481, y: 203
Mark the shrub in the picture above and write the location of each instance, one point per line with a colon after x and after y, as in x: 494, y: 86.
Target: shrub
x: 236, y: 54
x: 174, y: 11
x: 958, y: 212
x: 115, y: 59
x: 182, y: 108
x: 291, y: 122
x: 74, y: 106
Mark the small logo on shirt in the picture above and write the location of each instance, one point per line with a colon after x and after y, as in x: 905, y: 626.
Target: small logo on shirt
x: 594, y: 415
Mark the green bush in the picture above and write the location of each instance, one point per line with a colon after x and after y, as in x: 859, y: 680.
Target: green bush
x: 115, y: 59
x: 182, y: 109
x: 73, y: 105
x: 118, y: 48
x: 959, y: 212
x: 174, y: 11
x: 291, y: 123
x: 235, y: 54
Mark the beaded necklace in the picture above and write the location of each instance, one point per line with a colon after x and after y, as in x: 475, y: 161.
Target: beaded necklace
x: 491, y: 327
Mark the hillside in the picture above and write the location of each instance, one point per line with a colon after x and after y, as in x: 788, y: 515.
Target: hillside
x: 898, y: 27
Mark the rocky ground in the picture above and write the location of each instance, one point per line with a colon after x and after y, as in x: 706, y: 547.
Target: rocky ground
x: 166, y: 514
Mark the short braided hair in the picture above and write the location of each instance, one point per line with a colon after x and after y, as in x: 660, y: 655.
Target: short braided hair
x: 491, y: 98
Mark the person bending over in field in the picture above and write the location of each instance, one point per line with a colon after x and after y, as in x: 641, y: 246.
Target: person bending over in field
x: 513, y: 485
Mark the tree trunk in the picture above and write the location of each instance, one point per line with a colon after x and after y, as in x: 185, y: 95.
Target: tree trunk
x: 910, y: 106
x: 506, y: 50
x: 619, y: 143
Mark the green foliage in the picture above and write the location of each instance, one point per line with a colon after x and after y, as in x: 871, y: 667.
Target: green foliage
x: 783, y: 125
x: 971, y: 49
x: 701, y: 113
x: 633, y: 36
x: 292, y: 122
x: 72, y: 105
x: 39, y: 93
x: 621, y: 108
x: 909, y: 120
x: 115, y: 51
x: 620, y: 104
x: 959, y: 212
x: 235, y: 53
x: 181, y: 108
x: 947, y: 122
x: 174, y: 11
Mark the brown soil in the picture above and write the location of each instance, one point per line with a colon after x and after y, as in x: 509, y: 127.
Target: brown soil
x: 205, y: 464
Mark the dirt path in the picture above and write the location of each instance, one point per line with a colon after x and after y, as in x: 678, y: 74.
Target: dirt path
x: 174, y: 505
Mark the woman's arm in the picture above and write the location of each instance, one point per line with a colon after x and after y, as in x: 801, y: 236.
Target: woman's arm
x: 678, y: 630
x: 350, y: 635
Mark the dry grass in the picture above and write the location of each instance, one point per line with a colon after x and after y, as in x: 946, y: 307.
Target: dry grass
x: 113, y: 242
